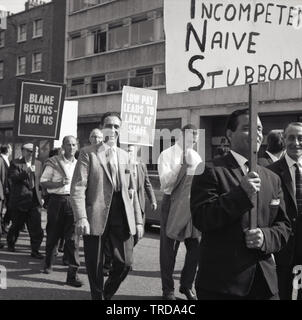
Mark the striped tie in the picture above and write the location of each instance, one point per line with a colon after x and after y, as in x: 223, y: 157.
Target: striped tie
x: 298, y: 188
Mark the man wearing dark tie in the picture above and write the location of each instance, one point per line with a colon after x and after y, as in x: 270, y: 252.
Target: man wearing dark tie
x: 101, y: 191
x: 236, y: 262
x: 289, y: 169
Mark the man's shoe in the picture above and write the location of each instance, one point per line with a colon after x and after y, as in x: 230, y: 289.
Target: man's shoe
x: 74, y: 281
x: 37, y: 255
x: 168, y: 296
x: 47, y: 270
x: 188, y: 293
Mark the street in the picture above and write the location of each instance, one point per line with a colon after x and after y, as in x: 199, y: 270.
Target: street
x: 25, y: 280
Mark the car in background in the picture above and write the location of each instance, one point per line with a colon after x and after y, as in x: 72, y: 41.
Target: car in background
x: 153, y: 217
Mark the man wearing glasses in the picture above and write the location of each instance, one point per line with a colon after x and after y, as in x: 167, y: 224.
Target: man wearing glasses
x: 25, y: 200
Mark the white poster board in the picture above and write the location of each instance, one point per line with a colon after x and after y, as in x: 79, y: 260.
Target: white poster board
x: 69, y: 124
x: 211, y: 44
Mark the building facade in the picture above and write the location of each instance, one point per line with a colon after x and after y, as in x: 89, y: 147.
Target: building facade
x: 32, y: 47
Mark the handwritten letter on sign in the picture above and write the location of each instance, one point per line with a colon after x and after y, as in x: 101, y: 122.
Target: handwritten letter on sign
x: 211, y: 44
x: 138, y: 112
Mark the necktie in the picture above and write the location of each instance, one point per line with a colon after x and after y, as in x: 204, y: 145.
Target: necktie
x: 298, y: 177
x: 245, y: 168
x: 113, y: 168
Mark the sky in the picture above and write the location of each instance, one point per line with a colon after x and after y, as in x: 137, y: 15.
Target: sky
x: 14, y: 6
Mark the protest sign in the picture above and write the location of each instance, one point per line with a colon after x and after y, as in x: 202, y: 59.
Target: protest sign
x: 138, y: 113
x: 38, y: 110
x: 211, y: 43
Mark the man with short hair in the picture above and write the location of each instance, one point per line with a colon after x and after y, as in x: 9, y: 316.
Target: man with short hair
x: 274, y: 150
x: 96, y: 136
x: 56, y: 178
x: 235, y: 262
x: 25, y: 200
x: 175, y: 220
x: 289, y: 169
x: 5, y: 152
x: 101, y: 191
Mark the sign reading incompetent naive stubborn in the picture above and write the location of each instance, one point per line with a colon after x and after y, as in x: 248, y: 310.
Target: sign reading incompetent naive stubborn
x: 212, y: 43
x: 138, y: 113
x: 39, y: 108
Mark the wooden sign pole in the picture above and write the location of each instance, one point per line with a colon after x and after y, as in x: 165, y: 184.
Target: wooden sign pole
x: 253, y: 108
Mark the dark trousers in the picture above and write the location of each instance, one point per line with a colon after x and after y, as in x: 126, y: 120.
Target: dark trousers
x: 120, y: 242
x: 32, y: 218
x: 259, y: 291
x: 60, y: 221
x: 168, y: 252
x: 1, y: 218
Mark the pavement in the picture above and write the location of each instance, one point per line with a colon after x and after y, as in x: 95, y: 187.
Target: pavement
x: 25, y: 280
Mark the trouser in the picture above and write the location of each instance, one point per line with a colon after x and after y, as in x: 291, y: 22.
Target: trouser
x: 168, y: 252
x: 1, y: 218
x: 60, y: 221
x: 32, y: 218
x: 259, y: 291
x: 120, y: 242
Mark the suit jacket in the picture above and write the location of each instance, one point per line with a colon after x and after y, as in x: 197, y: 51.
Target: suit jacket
x: 293, y: 250
x: 266, y: 160
x: 92, y: 190
x: 21, y: 195
x: 143, y: 185
x: 3, y: 178
x: 219, y: 208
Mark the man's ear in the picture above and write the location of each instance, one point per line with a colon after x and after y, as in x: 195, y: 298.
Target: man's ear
x: 229, y: 134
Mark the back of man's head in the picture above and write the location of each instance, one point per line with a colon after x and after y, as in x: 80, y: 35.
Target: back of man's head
x: 275, y: 141
x: 4, y: 149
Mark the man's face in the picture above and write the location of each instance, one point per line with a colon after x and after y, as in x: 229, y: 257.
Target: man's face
x: 69, y: 147
x: 27, y: 154
x: 111, y: 129
x: 293, y: 142
x: 96, y: 137
x: 239, y: 139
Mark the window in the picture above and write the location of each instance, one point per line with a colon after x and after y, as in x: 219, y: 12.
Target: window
x: 1, y: 69
x: 2, y: 38
x: 36, y: 62
x: 82, y: 4
x: 22, y: 32
x: 116, y: 81
x: 21, y: 65
x: 100, y: 38
x: 77, y: 87
x: 118, y: 36
x: 143, y: 78
x: 37, y: 28
x: 77, y: 46
x: 142, y: 30
x: 98, y: 84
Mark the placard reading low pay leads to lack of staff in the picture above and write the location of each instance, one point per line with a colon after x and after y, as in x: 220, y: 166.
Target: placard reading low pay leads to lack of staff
x: 138, y: 113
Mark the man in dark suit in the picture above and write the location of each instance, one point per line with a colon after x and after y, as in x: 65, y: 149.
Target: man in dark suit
x: 289, y: 169
x: 142, y: 182
x: 274, y: 150
x: 235, y: 262
x: 100, y: 195
x: 5, y: 152
x: 25, y: 200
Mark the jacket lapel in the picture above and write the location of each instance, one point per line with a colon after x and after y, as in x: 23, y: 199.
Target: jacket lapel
x: 101, y: 155
x: 287, y: 179
x: 234, y: 167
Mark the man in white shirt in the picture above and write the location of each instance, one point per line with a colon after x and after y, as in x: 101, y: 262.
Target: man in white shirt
x: 56, y: 178
x: 170, y: 163
x: 289, y: 169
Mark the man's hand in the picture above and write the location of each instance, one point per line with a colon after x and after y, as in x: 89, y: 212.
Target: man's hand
x: 139, y: 231
x: 251, y: 183
x: 154, y: 206
x: 82, y: 227
x: 254, y: 238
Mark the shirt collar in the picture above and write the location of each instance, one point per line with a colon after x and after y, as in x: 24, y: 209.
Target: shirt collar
x: 66, y: 160
x: 291, y: 162
x: 239, y: 158
x: 5, y: 157
x: 272, y: 156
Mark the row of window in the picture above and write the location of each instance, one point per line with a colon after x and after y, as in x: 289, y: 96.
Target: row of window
x: 22, y: 32
x: 141, y: 29
x: 76, y: 5
x: 141, y: 78
x: 36, y: 65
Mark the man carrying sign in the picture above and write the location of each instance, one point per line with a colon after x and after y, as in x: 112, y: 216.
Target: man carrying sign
x: 237, y: 263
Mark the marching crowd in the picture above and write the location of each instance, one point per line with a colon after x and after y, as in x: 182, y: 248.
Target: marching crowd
x: 99, y: 192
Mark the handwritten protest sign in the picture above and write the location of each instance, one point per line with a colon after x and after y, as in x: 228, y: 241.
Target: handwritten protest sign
x: 38, y: 109
x: 227, y: 43
x: 138, y: 113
